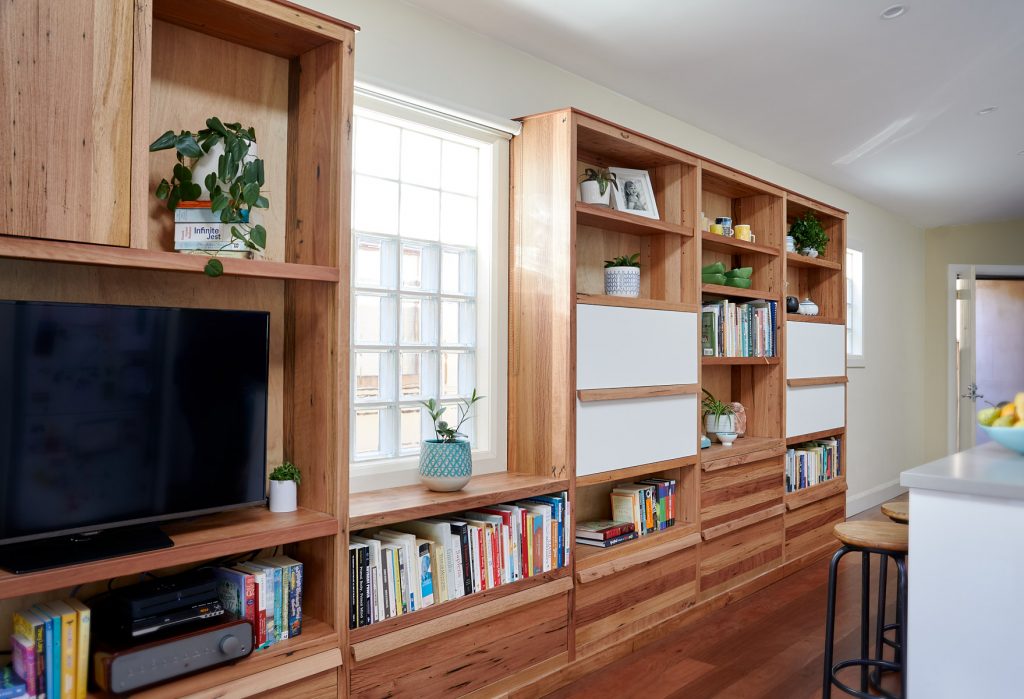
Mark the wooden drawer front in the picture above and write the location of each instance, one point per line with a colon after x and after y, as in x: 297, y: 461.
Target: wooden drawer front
x: 815, y: 408
x: 734, y: 558
x: 468, y: 658
x: 814, y: 350
x: 618, y: 347
x: 809, y: 528
x: 616, y: 434
x: 621, y: 605
x: 322, y: 686
x: 740, y: 491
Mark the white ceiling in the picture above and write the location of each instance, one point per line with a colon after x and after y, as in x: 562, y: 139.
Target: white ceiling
x: 886, y: 110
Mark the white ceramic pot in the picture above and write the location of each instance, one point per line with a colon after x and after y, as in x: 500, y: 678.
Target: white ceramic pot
x: 590, y: 192
x: 808, y: 308
x: 713, y: 424
x: 622, y: 281
x: 726, y: 438
x: 283, y: 496
x: 809, y: 252
x: 790, y: 244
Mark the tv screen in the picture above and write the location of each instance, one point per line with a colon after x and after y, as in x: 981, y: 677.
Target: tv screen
x: 117, y: 415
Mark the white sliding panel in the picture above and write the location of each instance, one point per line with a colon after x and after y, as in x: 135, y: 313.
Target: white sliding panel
x: 815, y: 408
x: 623, y: 347
x: 814, y: 350
x: 613, y: 434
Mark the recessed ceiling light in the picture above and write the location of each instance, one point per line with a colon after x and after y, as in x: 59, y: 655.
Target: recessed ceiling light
x: 893, y: 12
x: 987, y: 110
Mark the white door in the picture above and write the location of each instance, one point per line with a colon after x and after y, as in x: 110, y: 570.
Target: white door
x: 966, y: 397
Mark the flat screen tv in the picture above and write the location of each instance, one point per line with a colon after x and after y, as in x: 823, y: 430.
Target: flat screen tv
x: 112, y: 417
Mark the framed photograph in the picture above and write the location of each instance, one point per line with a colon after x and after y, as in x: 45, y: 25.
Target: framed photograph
x: 635, y: 194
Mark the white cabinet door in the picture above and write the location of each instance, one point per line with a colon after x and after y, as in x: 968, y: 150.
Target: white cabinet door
x: 613, y: 434
x: 622, y: 347
x: 815, y: 408
x: 814, y: 350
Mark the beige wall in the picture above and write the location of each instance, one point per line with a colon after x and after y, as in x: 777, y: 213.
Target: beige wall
x: 415, y: 53
x: 978, y: 244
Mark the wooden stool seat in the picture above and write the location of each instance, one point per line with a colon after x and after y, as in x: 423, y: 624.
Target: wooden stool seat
x: 897, y: 511
x: 883, y: 536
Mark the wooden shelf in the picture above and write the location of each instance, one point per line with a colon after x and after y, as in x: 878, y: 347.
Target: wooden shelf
x: 195, y: 540
x: 816, y: 381
x: 593, y: 562
x: 744, y: 450
x: 795, y: 260
x: 626, y: 302
x: 314, y: 650
x: 594, y: 394
x: 623, y: 474
x: 376, y: 508
x: 811, y: 436
x: 135, y: 258
x: 732, y: 361
x: 445, y: 609
x: 819, y: 491
x: 622, y: 222
x: 733, y: 246
x: 731, y: 291
x: 796, y: 318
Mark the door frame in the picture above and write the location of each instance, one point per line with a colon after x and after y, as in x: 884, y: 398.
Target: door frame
x: 953, y: 388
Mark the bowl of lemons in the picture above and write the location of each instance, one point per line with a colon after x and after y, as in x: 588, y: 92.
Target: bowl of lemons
x: 1004, y: 423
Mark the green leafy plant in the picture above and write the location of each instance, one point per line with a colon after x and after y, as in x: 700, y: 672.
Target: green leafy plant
x: 624, y: 261
x: 712, y: 406
x: 442, y: 430
x: 287, y: 472
x: 808, y: 232
x: 602, y: 177
x: 234, y: 188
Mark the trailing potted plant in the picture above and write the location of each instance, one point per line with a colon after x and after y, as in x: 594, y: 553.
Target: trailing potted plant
x: 446, y: 462
x: 218, y: 161
x: 809, y: 235
x: 719, y: 417
x: 622, y: 276
x: 284, y: 481
x: 596, y: 186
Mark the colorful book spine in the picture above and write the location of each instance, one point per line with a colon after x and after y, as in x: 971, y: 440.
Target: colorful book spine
x: 84, y: 615
x: 11, y: 685
x: 52, y: 651
x: 32, y: 626
x: 23, y: 659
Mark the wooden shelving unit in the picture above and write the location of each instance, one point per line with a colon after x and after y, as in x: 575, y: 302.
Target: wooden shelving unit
x: 795, y: 260
x: 739, y: 361
x: 733, y: 292
x: 622, y: 222
x: 734, y: 246
x: 628, y: 302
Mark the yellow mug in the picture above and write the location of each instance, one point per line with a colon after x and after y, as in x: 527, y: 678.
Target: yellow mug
x: 717, y: 229
x: 742, y: 231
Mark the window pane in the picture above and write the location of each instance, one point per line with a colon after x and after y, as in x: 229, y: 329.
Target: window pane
x: 419, y: 321
x: 459, y: 168
x: 368, y: 375
x: 375, y: 205
x: 376, y: 148
x: 458, y: 272
x: 457, y: 323
x: 367, y: 440
x: 458, y: 219
x: 457, y: 374
x: 371, y: 320
x: 419, y: 212
x: 369, y: 262
x: 411, y: 377
x: 421, y: 159
x: 412, y: 425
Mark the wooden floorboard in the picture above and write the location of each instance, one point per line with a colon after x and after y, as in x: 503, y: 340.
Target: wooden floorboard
x: 767, y: 646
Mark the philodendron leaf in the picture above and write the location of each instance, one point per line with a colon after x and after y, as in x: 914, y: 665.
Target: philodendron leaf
x: 190, y: 191
x: 250, y: 193
x: 173, y: 198
x: 258, y: 234
x: 259, y: 168
x: 218, y: 203
x: 187, y: 146
x: 236, y: 234
x: 213, y: 123
x: 163, y: 189
x: 261, y: 203
x: 250, y: 173
x: 182, y: 173
x: 214, y: 268
x: 211, y: 183
x: 166, y: 140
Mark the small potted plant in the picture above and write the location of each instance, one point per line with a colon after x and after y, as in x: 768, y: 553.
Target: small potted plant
x: 809, y: 235
x: 622, y: 276
x: 719, y: 418
x: 596, y: 187
x: 446, y: 462
x: 219, y: 162
x: 284, y: 481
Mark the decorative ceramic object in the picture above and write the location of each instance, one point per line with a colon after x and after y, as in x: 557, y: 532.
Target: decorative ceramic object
x: 283, y: 496
x: 790, y: 244
x: 809, y: 252
x: 445, y: 466
x: 622, y: 281
x: 740, y: 414
x: 726, y: 438
x: 590, y: 192
x: 792, y: 304
x: 808, y: 308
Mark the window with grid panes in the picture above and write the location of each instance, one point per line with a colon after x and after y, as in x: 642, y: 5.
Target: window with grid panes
x: 422, y: 225
x: 854, y: 307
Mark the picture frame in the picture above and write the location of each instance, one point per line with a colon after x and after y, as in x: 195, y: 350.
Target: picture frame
x: 635, y: 193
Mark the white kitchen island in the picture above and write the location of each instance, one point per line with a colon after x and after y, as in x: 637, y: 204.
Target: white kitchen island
x: 966, y: 575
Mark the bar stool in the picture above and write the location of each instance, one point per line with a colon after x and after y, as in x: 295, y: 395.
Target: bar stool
x: 898, y: 512
x: 887, y: 540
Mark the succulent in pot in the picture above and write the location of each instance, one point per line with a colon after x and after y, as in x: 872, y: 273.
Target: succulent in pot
x: 622, y: 276
x: 719, y: 416
x: 446, y: 462
x: 284, y: 481
x: 596, y: 186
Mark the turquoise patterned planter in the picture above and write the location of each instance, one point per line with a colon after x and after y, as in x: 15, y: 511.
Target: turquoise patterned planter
x: 445, y: 467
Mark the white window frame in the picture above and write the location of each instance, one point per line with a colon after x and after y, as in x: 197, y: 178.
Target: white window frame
x: 854, y: 279
x: 489, y: 415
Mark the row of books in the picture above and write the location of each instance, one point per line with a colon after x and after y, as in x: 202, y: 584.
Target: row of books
x: 811, y: 463
x: 268, y: 593
x: 730, y: 329
x: 413, y: 565
x: 638, y: 509
x: 198, y: 230
x: 50, y: 651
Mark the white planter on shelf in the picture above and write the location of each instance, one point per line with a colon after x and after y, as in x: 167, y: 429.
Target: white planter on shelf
x: 590, y: 192
x: 283, y: 496
x: 713, y: 424
x: 809, y: 252
x: 622, y: 281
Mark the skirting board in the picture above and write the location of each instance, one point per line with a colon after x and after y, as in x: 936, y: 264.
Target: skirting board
x: 855, y: 504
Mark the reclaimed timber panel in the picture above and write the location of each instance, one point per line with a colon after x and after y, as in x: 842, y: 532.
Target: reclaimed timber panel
x: 322, y: 686
x: 590, y: 570
x: 741, y: 522
x: 809, y: 528
x: 739, y: 556
x: 743, y: 450
x: 732, y: 493
x: 622, y: 222
x: 805, y: 496
x: 627, y: 302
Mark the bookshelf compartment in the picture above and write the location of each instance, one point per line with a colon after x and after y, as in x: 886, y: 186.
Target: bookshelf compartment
x: 757, y: 387
x: 813, y: 409
x: 734, y: 558
x: 615, y: 607
x: 650, y: 347
x: 814, y: 350
x: 732, y: 494
x: 661, y: 260
x: 809, y: 528
x: 743, y: 451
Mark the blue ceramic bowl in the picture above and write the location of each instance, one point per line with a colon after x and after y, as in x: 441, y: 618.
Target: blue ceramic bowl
x: 1009, y: 437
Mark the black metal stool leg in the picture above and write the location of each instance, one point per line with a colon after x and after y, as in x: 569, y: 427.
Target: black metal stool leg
x: 901, y: 619
x: 880, y: 618
x: 830, y: 621
x: 865, y: 616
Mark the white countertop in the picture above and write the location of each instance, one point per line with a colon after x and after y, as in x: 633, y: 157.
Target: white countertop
x: 990, y: 470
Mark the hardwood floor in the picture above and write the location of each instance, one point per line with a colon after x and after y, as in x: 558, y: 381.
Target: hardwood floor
x: 767, y: 646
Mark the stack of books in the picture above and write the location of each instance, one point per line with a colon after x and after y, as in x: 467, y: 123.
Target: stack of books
x: 731, y: 329
x: 812, y: 463
x: 649, y: 504
x: 605, y: 533
x: 50, y: 650
x: 268, y: 593
x: 198, y: 230
x: 413, y: 565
